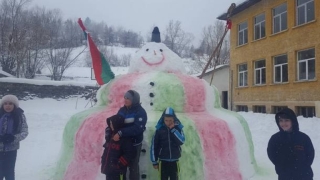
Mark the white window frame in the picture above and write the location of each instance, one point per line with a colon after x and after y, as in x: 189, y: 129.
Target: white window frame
x: 305, y: 11
x: 260, y: 25
x: 243, y: 72
x: 242, y: 30
x: 281, y: 66
x: 307, y: 64
x: 259, y: 69
x: 279, y: 15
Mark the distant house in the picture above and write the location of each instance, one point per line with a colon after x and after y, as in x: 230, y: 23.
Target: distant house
x: 274, y: 56
x: 4, y: 74
x: 221, y: 81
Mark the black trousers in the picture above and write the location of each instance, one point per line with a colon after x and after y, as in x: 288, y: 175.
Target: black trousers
x: 169, y: 169
x: 116, y: 176
x: 7, y: 164
x: 134, y: 165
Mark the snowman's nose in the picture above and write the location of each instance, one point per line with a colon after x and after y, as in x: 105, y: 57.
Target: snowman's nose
x: 155, y: 52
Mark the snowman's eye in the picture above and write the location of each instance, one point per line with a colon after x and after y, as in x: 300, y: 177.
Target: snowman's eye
x: 161, y: 50
x: 147, y: 49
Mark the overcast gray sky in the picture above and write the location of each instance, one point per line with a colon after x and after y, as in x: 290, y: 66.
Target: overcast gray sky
x: 141, y: 15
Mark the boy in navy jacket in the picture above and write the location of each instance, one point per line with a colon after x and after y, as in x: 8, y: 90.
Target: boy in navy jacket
x: 117, y: 154
x: 165, y: 149
x: 290, y: 150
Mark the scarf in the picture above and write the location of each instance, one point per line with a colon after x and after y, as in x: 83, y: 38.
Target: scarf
x: 6, y: 124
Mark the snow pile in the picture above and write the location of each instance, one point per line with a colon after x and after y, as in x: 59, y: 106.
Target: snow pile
x: 47, y: 119
x: 215, y: 138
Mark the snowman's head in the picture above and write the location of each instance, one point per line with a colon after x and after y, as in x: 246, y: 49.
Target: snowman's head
x: 156, y: 57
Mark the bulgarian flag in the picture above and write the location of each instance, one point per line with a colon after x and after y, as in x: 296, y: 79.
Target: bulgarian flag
x: 101, y: 67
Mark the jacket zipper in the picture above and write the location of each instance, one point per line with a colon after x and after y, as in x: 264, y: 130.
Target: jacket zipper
x: 169, y: 142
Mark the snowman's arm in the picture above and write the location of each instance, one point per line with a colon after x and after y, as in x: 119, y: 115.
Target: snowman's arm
x: 139, y: 125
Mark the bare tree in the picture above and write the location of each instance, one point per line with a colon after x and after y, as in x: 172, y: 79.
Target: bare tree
x: 210, y: 38
x: 71, y: 33
x: 59, y: 59
x: 176, y: 39
x: 37, y: 38
x: 13, y: 27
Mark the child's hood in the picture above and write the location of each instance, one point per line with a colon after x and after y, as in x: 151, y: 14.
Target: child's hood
x: 290, y: 115
x: 117, y: 121
x: 169, y: 111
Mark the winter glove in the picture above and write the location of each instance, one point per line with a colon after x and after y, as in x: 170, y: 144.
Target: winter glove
x: 122, y: 163
x: 8, y: 138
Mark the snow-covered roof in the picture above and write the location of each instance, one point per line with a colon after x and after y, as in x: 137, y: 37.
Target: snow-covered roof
x: 239, y: 8
x: 212, y: 69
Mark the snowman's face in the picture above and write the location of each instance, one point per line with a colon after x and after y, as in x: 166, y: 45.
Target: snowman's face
x: 156, y: 57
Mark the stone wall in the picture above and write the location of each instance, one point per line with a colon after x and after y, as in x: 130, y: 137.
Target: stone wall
x: 30, y: 91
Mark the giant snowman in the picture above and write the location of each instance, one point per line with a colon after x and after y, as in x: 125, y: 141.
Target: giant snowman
x: 218, y: 142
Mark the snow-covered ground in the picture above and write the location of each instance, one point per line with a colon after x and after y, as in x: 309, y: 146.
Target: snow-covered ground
x: 47, y: 118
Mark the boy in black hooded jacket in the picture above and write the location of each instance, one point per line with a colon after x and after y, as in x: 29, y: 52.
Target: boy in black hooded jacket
x: 290, y: 150
x: 165, y: 149
x: 117, y: 154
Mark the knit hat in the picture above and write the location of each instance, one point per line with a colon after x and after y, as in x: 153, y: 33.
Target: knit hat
x: 117, y: 121
x: 133, y: 96
x: 10, y: 98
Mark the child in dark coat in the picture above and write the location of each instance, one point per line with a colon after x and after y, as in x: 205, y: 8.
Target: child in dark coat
x: 165, y: 149
x: 13, y: 129
x: 290, y: 150
x: 117, y: 154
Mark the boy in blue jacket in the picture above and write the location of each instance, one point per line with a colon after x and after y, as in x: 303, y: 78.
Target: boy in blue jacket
x: 290, y: 150
x: 165, y: 149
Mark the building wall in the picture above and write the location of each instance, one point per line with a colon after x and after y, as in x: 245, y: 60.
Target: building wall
x: 295, y: 38
x: 220, y: 80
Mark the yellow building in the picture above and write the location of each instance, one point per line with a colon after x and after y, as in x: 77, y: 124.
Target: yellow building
x: 275, y: 56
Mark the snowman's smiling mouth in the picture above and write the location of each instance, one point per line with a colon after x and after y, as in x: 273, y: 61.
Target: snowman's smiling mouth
x: 153, y: 63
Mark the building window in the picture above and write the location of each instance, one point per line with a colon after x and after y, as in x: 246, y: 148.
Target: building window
x: 306, y: 64
x: 242, y: 108
x: 242, y: 33
x: 259, y: 26
x: 243, y: 75
x: 305, y: 11
x: 280, y: 18
x: 276, y: 109
x: 280, y: 69
x: 260, y: 72
x: 306, y: 111
x: 259, y: 109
